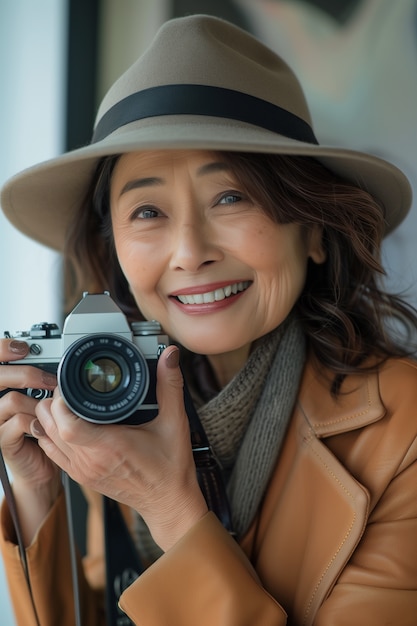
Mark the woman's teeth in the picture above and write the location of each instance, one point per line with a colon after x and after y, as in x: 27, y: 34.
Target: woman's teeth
x: 214, y: 296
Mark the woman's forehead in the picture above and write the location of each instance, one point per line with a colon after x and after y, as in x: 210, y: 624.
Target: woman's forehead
x: 155, y: 158
x: 162, y: 165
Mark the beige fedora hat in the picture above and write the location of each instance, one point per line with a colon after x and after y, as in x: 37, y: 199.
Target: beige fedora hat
x: 202, y: 84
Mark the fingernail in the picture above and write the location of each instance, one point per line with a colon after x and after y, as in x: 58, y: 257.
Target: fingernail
x: 173, y: 359
x: 18, y: 347
x: 48, y: 378
x: 36, y: 429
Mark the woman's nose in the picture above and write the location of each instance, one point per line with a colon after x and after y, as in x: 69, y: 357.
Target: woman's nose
x: 194, y: 245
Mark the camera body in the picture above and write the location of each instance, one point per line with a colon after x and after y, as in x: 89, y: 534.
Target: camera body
x: 106, y: 368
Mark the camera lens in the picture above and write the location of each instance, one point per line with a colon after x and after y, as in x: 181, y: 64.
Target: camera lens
x: 102, y: 375
x: 103, y: 378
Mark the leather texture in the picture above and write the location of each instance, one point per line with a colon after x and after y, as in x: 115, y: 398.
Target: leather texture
x: 334, y: 543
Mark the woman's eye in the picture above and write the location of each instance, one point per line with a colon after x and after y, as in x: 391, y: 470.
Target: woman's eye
x: 146, y: 213
x: 230, y: 198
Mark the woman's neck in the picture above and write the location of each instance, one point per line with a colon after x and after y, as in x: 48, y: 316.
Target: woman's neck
x: 226, y: 366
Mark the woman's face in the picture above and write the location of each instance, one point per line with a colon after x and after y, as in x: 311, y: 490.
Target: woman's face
x: 201, y: 257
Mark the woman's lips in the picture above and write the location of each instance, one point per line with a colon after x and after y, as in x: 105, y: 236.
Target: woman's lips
x: 210, y: 297
x: 215, y: 295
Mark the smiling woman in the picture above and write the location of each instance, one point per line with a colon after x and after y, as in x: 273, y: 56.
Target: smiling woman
x: 258, y: 251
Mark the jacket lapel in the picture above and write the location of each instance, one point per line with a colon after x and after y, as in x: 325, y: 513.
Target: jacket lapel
x: 358, y: 405
x: 314, y: 512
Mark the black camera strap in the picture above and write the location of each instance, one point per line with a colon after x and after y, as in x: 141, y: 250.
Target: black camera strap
x: 123, y: 564
x: 209, y: 471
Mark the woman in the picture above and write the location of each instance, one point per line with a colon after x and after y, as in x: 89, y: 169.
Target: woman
x: 205, y: 202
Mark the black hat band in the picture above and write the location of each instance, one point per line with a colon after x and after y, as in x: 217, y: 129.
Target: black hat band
x: 207, y: 101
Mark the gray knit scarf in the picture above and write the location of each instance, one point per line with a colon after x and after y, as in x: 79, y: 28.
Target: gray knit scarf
x: 247, y: 420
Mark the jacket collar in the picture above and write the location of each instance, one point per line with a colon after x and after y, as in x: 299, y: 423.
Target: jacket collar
x: 358, y: 404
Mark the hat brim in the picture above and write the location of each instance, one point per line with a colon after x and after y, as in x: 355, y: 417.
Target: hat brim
x: 41, y: 201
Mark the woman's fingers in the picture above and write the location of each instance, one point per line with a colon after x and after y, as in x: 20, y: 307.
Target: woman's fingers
x: 57, y: 430
x: 12, y: 349
x: 12, y: 434
x: 25, y: 377
x: 15, y: 375
x: 14, y: 403
x: 16, y: 415
x: 23, y: 457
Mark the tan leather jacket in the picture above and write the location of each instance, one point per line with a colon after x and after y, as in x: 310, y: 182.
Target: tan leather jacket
x: 334, y: 544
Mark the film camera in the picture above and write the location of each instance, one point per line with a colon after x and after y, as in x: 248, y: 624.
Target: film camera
x: 106, y: 368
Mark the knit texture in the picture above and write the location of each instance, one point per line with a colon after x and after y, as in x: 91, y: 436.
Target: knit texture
x: 246, y: 422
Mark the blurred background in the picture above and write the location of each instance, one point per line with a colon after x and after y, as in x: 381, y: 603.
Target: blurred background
x: 356, y: 59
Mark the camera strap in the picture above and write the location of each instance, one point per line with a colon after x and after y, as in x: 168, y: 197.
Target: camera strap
x: 209, y: 471
x: 123, y: 564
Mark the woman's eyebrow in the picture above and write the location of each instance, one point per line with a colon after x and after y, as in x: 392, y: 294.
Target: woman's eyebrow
x: 207, y: 168
x: 212, y: 168
x: 141, y: 182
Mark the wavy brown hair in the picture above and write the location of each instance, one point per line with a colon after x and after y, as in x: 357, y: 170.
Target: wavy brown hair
x: 348, y: 318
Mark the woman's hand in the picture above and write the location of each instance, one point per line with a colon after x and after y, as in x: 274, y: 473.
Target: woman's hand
x: 148, y: 467
x: 36, y: 479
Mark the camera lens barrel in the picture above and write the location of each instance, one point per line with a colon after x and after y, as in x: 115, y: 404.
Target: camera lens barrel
x: 103, y: 378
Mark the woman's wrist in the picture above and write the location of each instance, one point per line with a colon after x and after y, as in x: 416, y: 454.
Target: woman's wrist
x: 167, y: 529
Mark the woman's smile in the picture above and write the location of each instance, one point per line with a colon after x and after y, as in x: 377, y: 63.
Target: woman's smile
x: 211, y: 294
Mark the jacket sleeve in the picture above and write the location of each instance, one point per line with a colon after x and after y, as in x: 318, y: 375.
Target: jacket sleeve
x: 49, y: 572
x: 204, y: 579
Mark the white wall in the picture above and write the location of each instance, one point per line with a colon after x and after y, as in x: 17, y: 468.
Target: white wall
x: 32, y: 75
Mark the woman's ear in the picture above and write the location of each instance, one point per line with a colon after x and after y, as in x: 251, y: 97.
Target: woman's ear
x: 315, y: 248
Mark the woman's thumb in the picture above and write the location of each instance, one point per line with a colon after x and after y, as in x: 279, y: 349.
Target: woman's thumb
x: 170, y: 383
